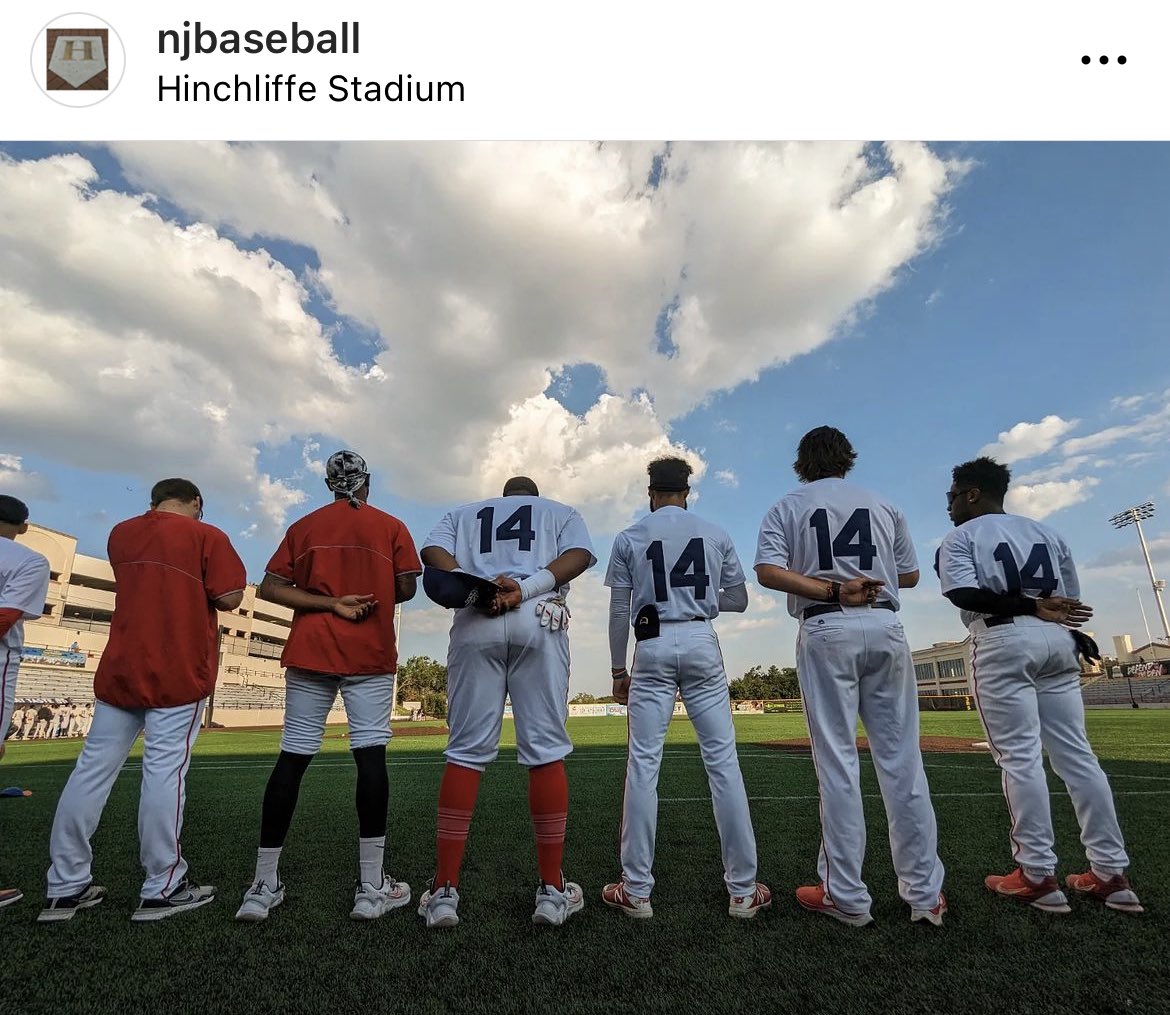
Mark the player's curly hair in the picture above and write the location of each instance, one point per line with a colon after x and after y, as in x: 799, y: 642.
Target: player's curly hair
x: 670, y: 475
x: 823, y: 453
x: 983, y: 474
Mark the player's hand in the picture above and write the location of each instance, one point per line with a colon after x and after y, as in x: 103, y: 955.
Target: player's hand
x: 354, y: 607
x: 508, y: 598
x: 621, y: 688
x: 1063, y: 610
x: 553, y: 613
x: 860, y: 591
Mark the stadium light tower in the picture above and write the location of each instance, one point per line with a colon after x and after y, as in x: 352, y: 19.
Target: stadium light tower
x: 1133, y: 516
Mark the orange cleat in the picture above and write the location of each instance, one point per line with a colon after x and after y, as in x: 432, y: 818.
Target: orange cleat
x: 1115, y: 893
x: 815, y: 899
x: 1044, y: 894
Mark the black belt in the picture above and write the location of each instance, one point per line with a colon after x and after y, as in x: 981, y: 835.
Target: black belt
x: 997, y: 621
x: 817, y: 611
x: 686, y: 620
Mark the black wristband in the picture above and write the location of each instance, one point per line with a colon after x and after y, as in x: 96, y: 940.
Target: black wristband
x: 834, y: 592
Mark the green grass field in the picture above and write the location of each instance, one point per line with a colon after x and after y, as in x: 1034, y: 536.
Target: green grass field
x: 991, y: 956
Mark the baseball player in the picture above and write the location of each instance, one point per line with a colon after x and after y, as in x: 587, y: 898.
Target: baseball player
x: 676, y: 572
x: 341, y: 569
x: 24, y: 584
x: 28, y: 721
x: 842, y: 554
x: 173, y: 572
x: 1015, y: 583
x: 533, y: 547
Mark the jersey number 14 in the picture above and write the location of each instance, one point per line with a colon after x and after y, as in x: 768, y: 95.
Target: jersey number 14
x: 516, y: 528
x: 1037, y: 572
x: 854, y: 540
x: 689, y: 571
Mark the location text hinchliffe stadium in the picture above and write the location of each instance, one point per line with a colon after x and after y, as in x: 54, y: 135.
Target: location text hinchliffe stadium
x: 289, y: 88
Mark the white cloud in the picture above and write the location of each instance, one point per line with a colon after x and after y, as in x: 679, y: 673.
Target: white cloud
x: 16, y: 482
x: 480, y: 270
x: 1151, y: 428
x: 727, y: 477
x: 1042, y: 499
x: 1027, y: 440
x: 1058, y: 470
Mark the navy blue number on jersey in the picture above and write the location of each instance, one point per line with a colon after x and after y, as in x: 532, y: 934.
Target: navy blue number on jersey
x: 517, y: 527
x: 854, y: 540
x: 690, y: 570
x: 1036, y: 574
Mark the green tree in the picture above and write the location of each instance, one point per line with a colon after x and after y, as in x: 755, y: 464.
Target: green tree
x: 423, y: 679
x: 584, y: 698
x: 760, y: 683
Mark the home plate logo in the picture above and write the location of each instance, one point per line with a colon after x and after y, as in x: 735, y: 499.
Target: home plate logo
x: 77, y: 59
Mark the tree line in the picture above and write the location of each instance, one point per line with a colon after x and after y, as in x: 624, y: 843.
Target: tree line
x: 424, y: 680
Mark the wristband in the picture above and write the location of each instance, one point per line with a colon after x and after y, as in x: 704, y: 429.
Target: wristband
x: 537, y: 584
x: 834, y: 592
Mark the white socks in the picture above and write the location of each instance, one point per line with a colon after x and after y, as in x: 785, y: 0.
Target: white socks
x: 266, y: 861
x: 370, y: 853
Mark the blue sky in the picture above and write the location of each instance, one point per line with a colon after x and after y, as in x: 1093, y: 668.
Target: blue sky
x: 1041, y: 292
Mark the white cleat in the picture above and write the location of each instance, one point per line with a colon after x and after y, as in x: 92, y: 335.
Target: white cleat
x: 554, y: 907
x: 440, y: 908
x: 933, y: 915
x: 259, y: 901
x: 369, y: 902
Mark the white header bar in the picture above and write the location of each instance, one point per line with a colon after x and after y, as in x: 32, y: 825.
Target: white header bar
x: 603, y: 69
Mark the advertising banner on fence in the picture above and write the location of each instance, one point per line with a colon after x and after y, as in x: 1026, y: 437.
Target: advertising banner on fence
x: 51, y: 656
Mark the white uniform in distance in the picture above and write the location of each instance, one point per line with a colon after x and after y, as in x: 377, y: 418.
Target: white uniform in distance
x: 491, y: 658
x: 674, y: 560
x: 854, y: 660
x: 1027, y: 684
x: 24, y: 584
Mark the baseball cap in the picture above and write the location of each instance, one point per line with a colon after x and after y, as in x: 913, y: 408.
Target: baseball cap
x: 12, y: 510
x: 457, y: 589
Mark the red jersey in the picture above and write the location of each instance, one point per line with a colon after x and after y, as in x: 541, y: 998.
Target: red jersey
x: 164, y: 638
x: 339, y: 550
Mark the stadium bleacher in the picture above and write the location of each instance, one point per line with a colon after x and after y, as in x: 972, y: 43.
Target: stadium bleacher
x: 45, y: 684
x: 1123, y: 691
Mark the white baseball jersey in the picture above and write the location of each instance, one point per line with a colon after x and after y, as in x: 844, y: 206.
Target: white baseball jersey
x: 834, y: 530
x: 24, y: 584
x: 854, y: 661
x: 493, y: 658
x: 512, y: 536
x: 1008, y: 554
x: 1027, y: 684
x: 676, y: 561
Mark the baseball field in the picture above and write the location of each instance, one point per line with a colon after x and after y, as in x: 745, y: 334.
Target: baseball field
x: 992, y: 955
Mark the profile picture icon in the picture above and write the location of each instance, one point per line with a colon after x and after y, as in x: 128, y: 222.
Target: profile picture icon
x: 78, y: 59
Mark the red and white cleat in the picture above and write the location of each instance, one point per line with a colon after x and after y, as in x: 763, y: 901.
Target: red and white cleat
x: 934, y: 915
x: 1115, y: 893
x: 616, y: 895
x: 744, y: 907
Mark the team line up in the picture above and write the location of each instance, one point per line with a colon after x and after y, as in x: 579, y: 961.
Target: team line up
x: 504, y: 565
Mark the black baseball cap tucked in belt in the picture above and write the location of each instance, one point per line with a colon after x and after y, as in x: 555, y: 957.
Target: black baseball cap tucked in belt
x: 823, y: 608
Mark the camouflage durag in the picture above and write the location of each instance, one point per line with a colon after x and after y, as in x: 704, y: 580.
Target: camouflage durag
x: 346, y: 473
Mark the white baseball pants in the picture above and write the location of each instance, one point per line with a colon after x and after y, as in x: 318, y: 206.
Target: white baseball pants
x: 309, y: 697
x: 1027, y: 684
x: 853, y: 663
x: 491, y: 658
x: 169, y: 736
x: 684, y: 658
x: 8, y: 669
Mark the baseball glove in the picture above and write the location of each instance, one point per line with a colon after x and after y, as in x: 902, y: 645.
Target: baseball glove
x: 553, y: 613
x: 1086, y: 647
